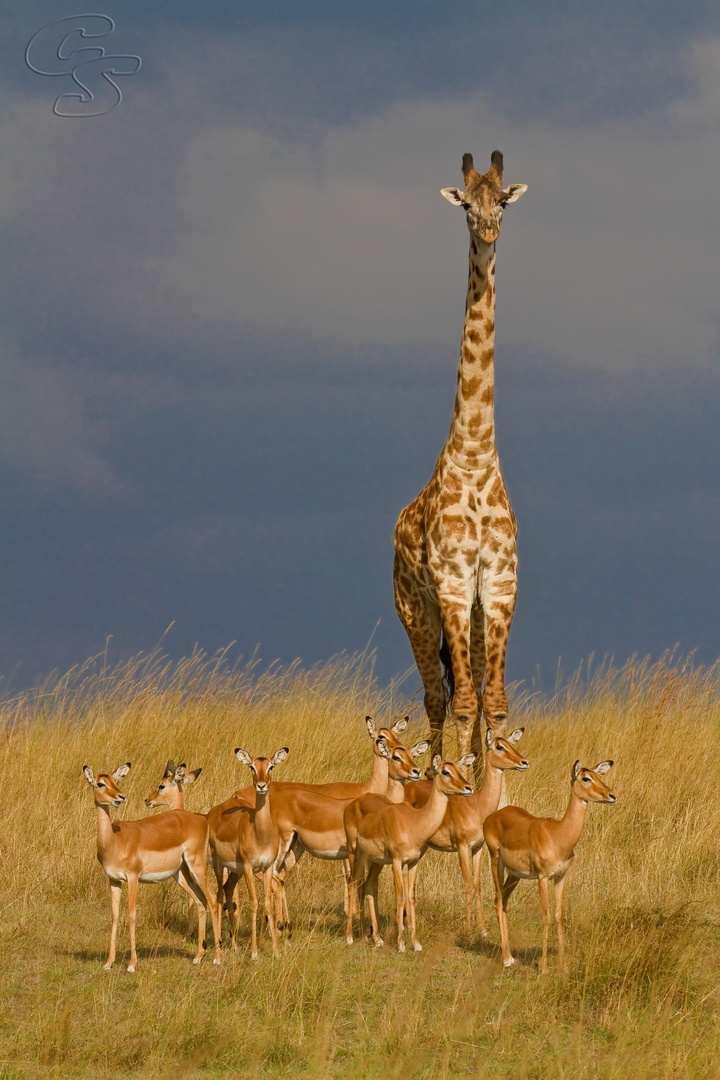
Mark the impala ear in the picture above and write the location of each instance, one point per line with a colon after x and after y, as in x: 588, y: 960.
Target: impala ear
x: 603, y: 767
x: 180, y: 773
x: 169, y: 768
x: 370, y: 726
x: 436, y: 763
x: 189, y: 777
x: 516, y: 735
x: 489, y: 738
x: 89, y: 775
x: 242, y: 755
x: 280, y: 755
x: 575, y: 771
x: 419, y: 748
x: 382, y: 747
x: 122, y: 770
x: 453, y: 195
x: 465, y: 760
x: 400, y: 725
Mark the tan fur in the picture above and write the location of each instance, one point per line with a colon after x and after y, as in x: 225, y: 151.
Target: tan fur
x: 455, y: 554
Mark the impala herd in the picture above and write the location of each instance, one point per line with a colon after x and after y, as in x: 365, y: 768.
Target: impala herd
x: 390, y: 819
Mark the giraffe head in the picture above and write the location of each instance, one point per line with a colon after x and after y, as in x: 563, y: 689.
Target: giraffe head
x: 484, y: 198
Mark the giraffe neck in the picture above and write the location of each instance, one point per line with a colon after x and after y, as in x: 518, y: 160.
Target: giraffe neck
x: 471, y: 441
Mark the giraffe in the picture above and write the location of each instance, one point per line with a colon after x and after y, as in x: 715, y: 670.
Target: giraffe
x: 455, y: 569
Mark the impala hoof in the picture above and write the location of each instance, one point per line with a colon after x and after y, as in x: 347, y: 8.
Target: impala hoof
x: 417, y: 946
x: 131, y: 969
x: 253, y: 956
x: 107, y: 967
x: 509, y: 963
x: 379, y: 943
x: 217, y: 960
x: 349, y: 940
x: 401, y: 946
x: 197, y: 959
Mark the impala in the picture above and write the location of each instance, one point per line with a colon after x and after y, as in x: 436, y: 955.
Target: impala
x: 398, y: 834
x: 153, y: 849
x: 462, y: 827
x: 523, y: 846
x: 311, y: 821
x: 336, y: 790
x: 170, y: 791
x: 244, y: 839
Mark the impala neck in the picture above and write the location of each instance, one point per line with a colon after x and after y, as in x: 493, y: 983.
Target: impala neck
x: 429, y: 818
x: 395, y: 790
x: 379, y: 776
x: 263, y: 822
x: 571, y: 825
x: 105, y: 834
x: 492, y: 790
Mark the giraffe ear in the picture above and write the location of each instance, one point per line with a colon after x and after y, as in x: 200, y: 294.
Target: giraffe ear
x: 453, y: 195
x: 513, y: 193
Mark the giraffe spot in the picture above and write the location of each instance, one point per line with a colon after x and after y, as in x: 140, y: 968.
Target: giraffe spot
x: 474, y: 337
x: 488, y: 395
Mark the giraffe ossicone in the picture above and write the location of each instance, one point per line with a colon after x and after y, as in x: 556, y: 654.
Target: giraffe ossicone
x: 455, y: 570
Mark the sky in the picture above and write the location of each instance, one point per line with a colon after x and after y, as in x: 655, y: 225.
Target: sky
x: 231, y: 306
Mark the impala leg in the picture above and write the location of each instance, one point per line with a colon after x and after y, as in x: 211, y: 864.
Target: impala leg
x: 544, y: 907
x: 399, y: 903
x: 219, y: 871
x: 184, y: 882
x: 559, y: 919
x: 370, y: 890
x: 197, y: 878
x: 410, y: 879
x: 354, y: 898
x: 268, y: 898
x: 252, y: 893
x: 229, y: 904
x: 465, y: 857
x: 498, y: 873
x: 347, y: 873
x: 115, y: 895
x: 477, y: 873
x: 132, y: 912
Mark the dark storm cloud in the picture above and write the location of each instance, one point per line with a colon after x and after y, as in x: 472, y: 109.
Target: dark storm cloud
x: 231, y: 312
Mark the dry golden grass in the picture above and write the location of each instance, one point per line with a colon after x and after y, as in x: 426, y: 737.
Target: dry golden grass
x: 643, y: 909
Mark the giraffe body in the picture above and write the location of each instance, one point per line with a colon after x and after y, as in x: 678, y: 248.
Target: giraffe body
x: 455, y: 564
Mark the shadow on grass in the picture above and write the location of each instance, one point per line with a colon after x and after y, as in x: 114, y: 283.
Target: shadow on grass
x: 91, y: 956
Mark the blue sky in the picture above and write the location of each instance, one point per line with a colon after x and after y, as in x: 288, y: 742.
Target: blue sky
x: 231, y: 312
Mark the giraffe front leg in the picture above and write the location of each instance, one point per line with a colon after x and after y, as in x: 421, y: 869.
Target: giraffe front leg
x: 455, y: 614
x: 498, y: 607
x: 421, y: 619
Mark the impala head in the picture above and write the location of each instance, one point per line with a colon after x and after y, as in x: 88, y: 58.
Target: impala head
x: 170, y: 789
x: 449, y: 777
x: 500, y: 752
x: 483, y: 197
x: 401, y: 765
x: 588, y: 786
x: 105, y: 787
x: 261, y: 767
x: 390, y: 735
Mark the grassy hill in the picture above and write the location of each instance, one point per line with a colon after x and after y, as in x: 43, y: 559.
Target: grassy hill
x: 642, y: 999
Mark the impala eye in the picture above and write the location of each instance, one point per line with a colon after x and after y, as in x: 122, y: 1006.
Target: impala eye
x: 445, y: 772
x: 586, y: 779
x: 100, y: 783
